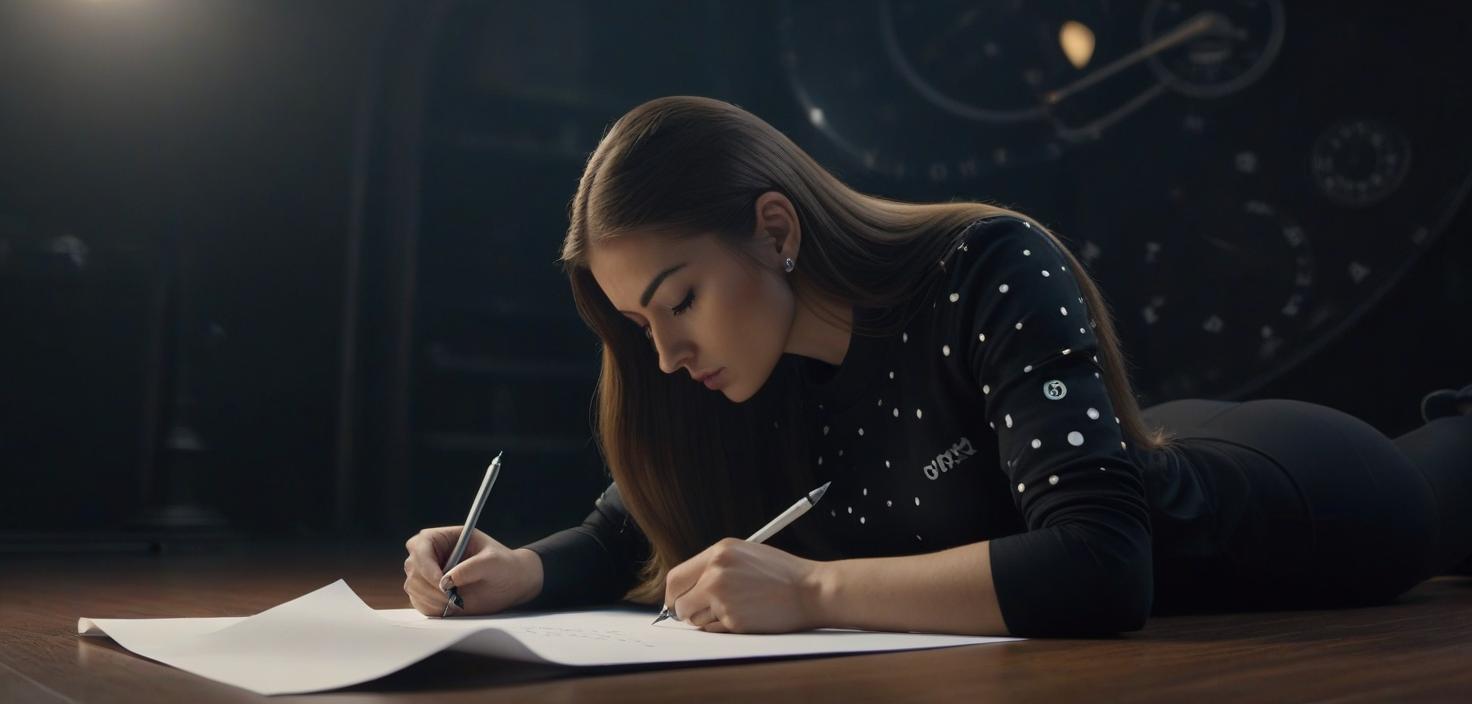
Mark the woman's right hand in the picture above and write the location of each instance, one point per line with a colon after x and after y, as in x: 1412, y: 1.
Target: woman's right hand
x: 490, y: 577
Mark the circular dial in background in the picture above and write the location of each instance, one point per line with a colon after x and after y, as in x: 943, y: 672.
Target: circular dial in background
x: 1243, y: 180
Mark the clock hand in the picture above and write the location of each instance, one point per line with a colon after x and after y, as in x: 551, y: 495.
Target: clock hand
x: 1199, y: 24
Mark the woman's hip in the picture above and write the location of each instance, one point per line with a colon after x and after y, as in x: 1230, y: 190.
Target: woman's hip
x: 1320, y: 507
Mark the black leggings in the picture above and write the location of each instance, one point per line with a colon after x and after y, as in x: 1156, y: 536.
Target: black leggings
x: 1337, y: 514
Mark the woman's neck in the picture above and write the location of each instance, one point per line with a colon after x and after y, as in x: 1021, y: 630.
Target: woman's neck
x: 814, y: 333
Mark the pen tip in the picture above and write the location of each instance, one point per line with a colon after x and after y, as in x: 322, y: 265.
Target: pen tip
x: 818, y: 492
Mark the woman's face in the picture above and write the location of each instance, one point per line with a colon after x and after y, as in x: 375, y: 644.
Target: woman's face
x: 705, y: 309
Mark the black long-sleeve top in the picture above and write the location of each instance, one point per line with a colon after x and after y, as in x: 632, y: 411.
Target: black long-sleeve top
x: 987, y: 418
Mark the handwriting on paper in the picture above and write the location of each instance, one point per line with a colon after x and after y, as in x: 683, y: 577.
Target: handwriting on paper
x: 584, y: 633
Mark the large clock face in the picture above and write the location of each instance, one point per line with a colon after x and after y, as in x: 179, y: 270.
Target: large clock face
x: 1242, y: 179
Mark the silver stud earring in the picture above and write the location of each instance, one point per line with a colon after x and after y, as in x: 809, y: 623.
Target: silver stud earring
x: 789, y: 265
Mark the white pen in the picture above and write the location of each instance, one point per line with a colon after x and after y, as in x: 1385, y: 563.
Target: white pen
x: 792, y: 513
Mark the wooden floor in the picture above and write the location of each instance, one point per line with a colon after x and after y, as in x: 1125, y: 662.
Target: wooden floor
x: 1417, y: 649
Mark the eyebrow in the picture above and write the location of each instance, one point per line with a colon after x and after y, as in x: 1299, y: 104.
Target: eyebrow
x: 654, y: 284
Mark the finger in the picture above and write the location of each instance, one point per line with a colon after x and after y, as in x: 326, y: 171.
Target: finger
x: 475, y: 569
x: 416, y: 597
x: 712, y: 618
x: 698, y: 599
x: 443, y: 538
x: 423, y: 607
x: 425, y: 561
x: 419, y: 603
x: 411, y: 567
x: 423, y: 580
x: 700, y: 618
x: 442, y: 541
x: 715, y: 626
x: 430, y: 600
x: 426, y: 591
x: 684, y: 576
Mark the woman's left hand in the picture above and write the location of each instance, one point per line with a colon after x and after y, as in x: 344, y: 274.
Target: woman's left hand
x: 737, y: 586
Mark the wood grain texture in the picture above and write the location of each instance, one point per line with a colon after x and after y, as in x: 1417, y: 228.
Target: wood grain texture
x: 1416, y: 649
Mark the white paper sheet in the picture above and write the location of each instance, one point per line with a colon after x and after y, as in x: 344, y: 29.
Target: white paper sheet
x: 329, y: 638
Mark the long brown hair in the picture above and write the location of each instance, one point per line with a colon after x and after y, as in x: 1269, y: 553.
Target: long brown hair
x: 691, y: 466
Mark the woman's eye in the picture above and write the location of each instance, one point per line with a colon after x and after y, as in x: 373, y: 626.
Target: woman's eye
x: 677, y: 310
x: 685, y: 304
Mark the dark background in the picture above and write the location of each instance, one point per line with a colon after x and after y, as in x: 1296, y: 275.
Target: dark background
x: 286, y: 270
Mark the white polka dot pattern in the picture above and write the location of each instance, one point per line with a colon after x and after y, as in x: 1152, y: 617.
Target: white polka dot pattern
x: 1004, y: 377
x: 1047, y: 428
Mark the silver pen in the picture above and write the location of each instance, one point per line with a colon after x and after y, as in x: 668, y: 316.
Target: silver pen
x: 492, y: 471
x: 793, y: 512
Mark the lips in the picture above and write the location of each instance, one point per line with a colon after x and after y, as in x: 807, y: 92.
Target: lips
x: 713, y: 380
x: 702, y: 377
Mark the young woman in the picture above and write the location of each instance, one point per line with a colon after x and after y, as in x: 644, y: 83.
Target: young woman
x: 953, y: 371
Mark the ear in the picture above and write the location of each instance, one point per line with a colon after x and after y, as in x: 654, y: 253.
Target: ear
x: 777, y: 226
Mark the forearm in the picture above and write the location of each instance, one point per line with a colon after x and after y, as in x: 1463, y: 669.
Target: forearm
x: 949, y: 591
x: 594, y: 562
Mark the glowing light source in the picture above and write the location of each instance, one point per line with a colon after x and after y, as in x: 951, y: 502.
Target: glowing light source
x: 1077, y: 42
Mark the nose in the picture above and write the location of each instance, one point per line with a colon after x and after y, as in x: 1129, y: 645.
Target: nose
x: 668, y: 363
